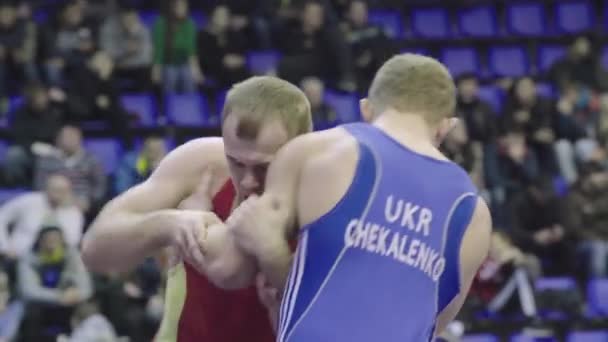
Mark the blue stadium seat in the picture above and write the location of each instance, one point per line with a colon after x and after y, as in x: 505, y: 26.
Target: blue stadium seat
x: 8, y: 194
x: 416, y: 50
x: 557, y: 283
x: 525, y: 338
x: 573, y: 16
x: 430, y: 23
x: 597, y: 295
x: 477, y: 21
x: 261, y: 62
x: 344, y: 104
x: 588, y: 336
x: 480, y: 338
x: 460, y: 60
x: 106, y: 150
x: 3, y: 150
x: 494, y: 96
x: 549, y: 54
x: 390, y: 21
x: 199, y: 19
x: 545, y: 89
x: 148, y: 18
x: 141, y: 104
x: 526, y: 19
x: 186, y: 109
x: 508, y: 61
x: 604, y: 57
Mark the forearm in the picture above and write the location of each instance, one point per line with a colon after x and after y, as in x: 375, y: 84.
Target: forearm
x: 226, y: 265
x: 119, y: 241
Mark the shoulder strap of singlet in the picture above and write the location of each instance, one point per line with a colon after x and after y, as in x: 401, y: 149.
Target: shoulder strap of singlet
x: 223, y: 200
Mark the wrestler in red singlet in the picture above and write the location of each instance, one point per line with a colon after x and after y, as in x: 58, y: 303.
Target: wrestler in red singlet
x: 211, y: 314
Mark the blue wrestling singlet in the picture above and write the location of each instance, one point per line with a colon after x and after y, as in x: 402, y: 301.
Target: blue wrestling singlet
x: 384, y: 262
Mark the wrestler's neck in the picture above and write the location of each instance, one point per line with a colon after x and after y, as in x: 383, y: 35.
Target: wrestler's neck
x: 410, y: 130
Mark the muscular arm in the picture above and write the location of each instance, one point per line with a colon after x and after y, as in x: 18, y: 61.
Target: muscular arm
x: 138, y: 223
x: 473, y: 251
x: 272, y: 216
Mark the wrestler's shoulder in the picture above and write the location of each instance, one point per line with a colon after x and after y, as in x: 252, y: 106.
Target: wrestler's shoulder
x: 207, y: 151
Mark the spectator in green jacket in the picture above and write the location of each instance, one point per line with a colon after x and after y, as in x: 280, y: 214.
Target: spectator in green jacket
x: 175, y: 61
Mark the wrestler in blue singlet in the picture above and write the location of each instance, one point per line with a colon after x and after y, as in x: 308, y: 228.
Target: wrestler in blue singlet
x: 384, y: 262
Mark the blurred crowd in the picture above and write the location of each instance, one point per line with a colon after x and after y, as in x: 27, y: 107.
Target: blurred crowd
x: 540, y: 163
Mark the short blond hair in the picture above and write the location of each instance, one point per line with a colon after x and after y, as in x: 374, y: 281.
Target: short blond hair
x: 415, y: 84
x: 261, y: 99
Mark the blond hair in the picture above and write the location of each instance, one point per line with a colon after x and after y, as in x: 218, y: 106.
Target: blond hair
x: 414, y: 84
x: 261, y: 99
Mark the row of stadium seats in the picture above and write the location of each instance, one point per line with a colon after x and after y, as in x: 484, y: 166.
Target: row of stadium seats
x: 192, y: 110
x: 579, y: 336
x: 523, y: 19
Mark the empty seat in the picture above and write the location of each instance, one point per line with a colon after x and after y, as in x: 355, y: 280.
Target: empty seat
x: 9, y: 194
x: 526, y: 19
x: 480, y: 338
x: 416, y: 50
x: 588, y: 336
x: 604, y: 57
x: 262, y: 62
x: 3, y: 150
x: 186, y: 109
x: 573, y: 16
x: 477, y: 21
x: 199, y: 18
x: 492, y: 95
x: 509, y: 61
x: 527, y: 338
x: 142, y: 105
x: 549, y: 54
x: 557, y: 283
x: 597, y: 295
x: 430, y: 23
x: 460, y: 60
x: 148, y: 18
x: 107, y: 151
x: 390, y: 21
x: 545, y: 89
x: 344, y: 104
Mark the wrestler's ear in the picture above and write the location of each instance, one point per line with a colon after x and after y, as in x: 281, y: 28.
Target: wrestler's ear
x: 366, y: 110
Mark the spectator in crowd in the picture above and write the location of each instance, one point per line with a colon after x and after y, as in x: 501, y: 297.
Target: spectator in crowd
x: 128, y: 42
x: 469, y: 155
x: 368, y: 44
x: 68, y: 45
x: 323, y: 114
x: 133, y: 302
x: 222, y: 50
x: 16, y: 49
x: 480, y: 121
x: 505, y: 278
x: 538, y: 227
x: 136, y: 166
x: 580, y: 66
x: 53, y: 281
x: 11, y: 310
x: 248, y: 19
x: 89, y: 324
x: 37, y: 120
x: 70, y: 158
x: 28, y: 213
x: 587, y: 217
x: 313, y: 48
x: 93, y: 96
x: 525, y: 110
x: 517, y: 163
x: 578, y: 123
x: 175, y: 56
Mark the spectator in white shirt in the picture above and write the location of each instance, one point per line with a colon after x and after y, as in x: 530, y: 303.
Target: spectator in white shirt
x: 28, y: 213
